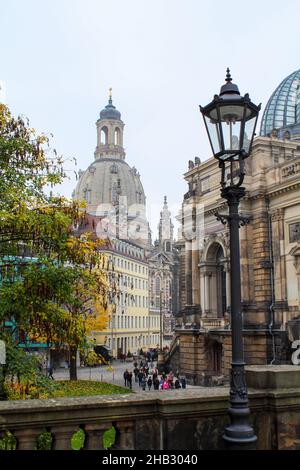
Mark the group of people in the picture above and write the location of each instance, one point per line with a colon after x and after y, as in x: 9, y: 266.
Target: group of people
x: 147, y: 377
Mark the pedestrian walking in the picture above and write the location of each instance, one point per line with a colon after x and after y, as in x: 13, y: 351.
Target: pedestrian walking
x: 140, y: 376
x: 149, y: 382
x: 183, y: 382
x: 166, y: 385
x: 129, y: 379
x: 156, y: 383
x: 50, y: 372
x: 161, y: 382
x: 177, y: 384
x: 125, y: 375
x: 143, y: 383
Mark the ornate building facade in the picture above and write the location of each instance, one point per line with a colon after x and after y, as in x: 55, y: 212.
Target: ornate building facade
x: 270, y: 252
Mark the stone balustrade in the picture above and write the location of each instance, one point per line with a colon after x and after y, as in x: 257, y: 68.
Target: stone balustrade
x: 290, y: 170
x: 208, y: 323
x: 169, y: 420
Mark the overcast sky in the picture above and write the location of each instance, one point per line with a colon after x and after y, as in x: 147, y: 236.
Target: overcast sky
x: 161, y: 57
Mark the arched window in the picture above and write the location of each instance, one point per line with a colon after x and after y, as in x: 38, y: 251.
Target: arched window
x: 104, y: 135
x: 117, y: 136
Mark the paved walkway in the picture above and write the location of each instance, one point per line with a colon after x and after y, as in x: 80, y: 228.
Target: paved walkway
x: 113, y: 375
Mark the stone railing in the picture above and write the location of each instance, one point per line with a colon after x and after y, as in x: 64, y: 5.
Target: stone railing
x: 208, y: 323
x: 290, y: 170
x: 188, y: 419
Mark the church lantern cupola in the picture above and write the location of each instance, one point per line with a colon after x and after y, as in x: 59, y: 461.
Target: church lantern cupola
x: 110, y: 129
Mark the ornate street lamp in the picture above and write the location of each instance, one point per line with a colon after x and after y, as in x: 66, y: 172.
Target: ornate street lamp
x: 230, y: 121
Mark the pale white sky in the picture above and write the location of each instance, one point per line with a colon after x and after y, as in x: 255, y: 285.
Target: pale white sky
x: 163, y: 58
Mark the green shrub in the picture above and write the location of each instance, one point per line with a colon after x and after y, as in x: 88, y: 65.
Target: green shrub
x: 109, y: 438
x: 44, y: 441
x: 77, y: 440
x: 8, y: 442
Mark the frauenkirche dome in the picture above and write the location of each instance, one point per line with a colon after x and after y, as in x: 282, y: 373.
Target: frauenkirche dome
x: 109, y: 182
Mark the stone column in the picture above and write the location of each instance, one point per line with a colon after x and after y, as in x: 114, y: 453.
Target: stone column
x: 126, y: 437
x: 202, y: 295
x: 297, y: 267
x: 195, y: 274
x: 94, y: 435
x: 277, y: 218
x: 62, y: 436
x: 188, y: 273
x: 26, y: 438
x: 207, y: 292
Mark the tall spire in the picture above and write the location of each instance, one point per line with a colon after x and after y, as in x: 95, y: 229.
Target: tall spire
x: 165, y: 228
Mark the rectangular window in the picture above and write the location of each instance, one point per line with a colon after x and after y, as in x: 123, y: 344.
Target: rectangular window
x: 205, y: 185
x: 294, y: 231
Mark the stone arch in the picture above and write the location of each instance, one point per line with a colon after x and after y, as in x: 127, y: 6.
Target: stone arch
x: 104, y: 135
x: 117, y: 136
x: 214, y: 277
x: 214, y: 347
x: 211, y: 244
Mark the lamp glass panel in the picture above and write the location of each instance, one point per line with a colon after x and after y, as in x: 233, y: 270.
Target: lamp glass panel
x: 231, y: 135
x: 230, y: 111
x: 213, y: 134
x: 248, y: 133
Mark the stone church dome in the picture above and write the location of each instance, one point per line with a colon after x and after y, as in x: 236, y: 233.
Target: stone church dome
x: 105, y: 180
x: 109, y: 185
x: 282, y: 113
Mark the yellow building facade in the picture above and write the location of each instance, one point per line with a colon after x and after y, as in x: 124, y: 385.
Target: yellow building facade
x: 131, y: 325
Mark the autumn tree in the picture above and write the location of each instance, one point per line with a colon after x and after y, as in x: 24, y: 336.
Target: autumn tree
x: 58, y: 304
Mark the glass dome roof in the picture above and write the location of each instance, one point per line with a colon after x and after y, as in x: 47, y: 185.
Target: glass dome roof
x: 283, y: 108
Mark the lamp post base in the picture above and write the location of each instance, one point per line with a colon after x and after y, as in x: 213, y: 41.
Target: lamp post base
x: 239, y: 435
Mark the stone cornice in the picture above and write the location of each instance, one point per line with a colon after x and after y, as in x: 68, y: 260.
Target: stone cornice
x: 274, y: 191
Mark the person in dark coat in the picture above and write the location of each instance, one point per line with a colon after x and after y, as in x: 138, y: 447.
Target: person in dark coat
x: 156, y: 383
x: 140, y: 377
x: 50, y: 372
x: 129, y: 380
x: 125, y: 375
x: 143, y: 383
x: 177, y: 384
x: 183, y: 382
x: 149, y: 382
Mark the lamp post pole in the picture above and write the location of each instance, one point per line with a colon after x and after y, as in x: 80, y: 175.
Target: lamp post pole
x: 230, y: 121
x: 239, y: 432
